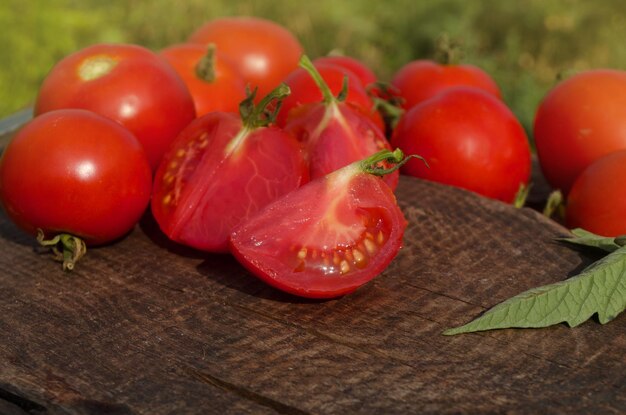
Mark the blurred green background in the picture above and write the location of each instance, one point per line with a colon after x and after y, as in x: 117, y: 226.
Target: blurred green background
x: 524, y: 45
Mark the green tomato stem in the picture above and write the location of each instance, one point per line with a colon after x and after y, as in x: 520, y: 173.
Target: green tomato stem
x: 307, y: 65
x: 396, y: 158
x: 262, y: 115
x: 66, y: 248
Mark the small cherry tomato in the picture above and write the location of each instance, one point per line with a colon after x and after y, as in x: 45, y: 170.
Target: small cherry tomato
x: 469, y: 139
x: 263, y: 51
x: 126, y: 83
x: 213, y: 81
x: 219, y: 171
x: 580, y: 120
x: 326, y: 238
x: 420, y: 80
x: 597, y: 200
x: 76, y: 172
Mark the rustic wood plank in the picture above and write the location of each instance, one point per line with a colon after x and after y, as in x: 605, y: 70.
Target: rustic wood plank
x: 146, y: 326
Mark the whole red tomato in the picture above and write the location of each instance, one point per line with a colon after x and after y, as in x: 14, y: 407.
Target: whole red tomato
x: 304, y: 90
x: 422, y: 79
x: 219, y: 171
x: 263, y: 51
x: 597, y: 199
x: 469, y: 139
x: 74, y: 171
x: 126, y: 83
x: 580, y: 120
x: 214, y: 82
x: 328, y: 237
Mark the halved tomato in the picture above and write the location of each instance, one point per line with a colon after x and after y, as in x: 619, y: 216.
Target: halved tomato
x: 328, y: 237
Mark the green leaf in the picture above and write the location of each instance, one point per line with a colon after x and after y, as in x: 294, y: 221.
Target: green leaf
x: 586, y: 238
x: 600, y: 288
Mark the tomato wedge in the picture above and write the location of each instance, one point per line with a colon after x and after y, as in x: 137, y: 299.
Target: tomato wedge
x: 328, y: 237
x: 220, y: 170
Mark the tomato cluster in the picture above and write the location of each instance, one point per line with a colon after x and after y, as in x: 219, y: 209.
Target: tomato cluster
x: 240, y: 144
x: 580, y: 135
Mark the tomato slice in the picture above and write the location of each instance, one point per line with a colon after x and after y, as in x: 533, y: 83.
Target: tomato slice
x: 325, y: 239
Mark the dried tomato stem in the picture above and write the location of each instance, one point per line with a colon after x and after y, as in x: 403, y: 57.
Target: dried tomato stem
x: 66, y: 248
x: 205, y: 68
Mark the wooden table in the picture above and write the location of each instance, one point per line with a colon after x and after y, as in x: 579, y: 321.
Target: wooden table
x: 144, y: 326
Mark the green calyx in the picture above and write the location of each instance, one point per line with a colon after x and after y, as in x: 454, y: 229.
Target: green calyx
x: 307, y: 65
x: 448, y: 51
x: 205, y: 68
x: 265, y: 112
x: 66, y: 248
x: 387, y: 161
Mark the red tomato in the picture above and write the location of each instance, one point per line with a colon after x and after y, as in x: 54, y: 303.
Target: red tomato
x: 334, y: 133
x: 469, y: 139
x: 214, y: 82
x: 597, y: 200
x: 73, y: 171
x: 304, y: 90
x: 325, y: 239
x: 579, y: 121
x: 423, y: 79
x: 362, y: 71
x: 263, y: 51
x: 126, y: 83
x: 219, y: 172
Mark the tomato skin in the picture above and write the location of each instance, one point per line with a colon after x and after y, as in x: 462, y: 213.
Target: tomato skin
x: 207, y: 184
x: 304, y: 90
x: 263, y: 51
x: 335, y: 135
x: 422, y: 79
x: 127, y: 83
x: 597, y: 200
x: 299, y: 243
x: 73, y: 171
x: 362, y: 71
x: 469, y: 139
x: 578, y: 121
x: 223, y: 93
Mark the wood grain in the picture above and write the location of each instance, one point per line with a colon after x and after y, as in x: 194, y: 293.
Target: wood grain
x: 144, y: 326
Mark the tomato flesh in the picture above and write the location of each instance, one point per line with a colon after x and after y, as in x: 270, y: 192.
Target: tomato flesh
x: 217, y: 174
x: 325, y: 239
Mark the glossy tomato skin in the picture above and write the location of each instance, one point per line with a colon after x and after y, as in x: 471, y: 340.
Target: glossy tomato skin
x: 73, y: 171
x: 422, y: 79
x: 580, y: 120
x: 263, y: 51
x: 325, y: 239
x: 222, y: 93
x: 335, y: 135
x: 597, y: 200
x: 217, y: 174
x: 469, y: 139
x: 126, y: 83
x: 360, y: 69
x: 304, y: 90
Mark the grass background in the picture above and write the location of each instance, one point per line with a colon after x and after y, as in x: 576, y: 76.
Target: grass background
x: 525, y: 45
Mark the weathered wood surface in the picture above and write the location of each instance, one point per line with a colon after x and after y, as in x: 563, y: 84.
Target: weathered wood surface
x: 144, y: 326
